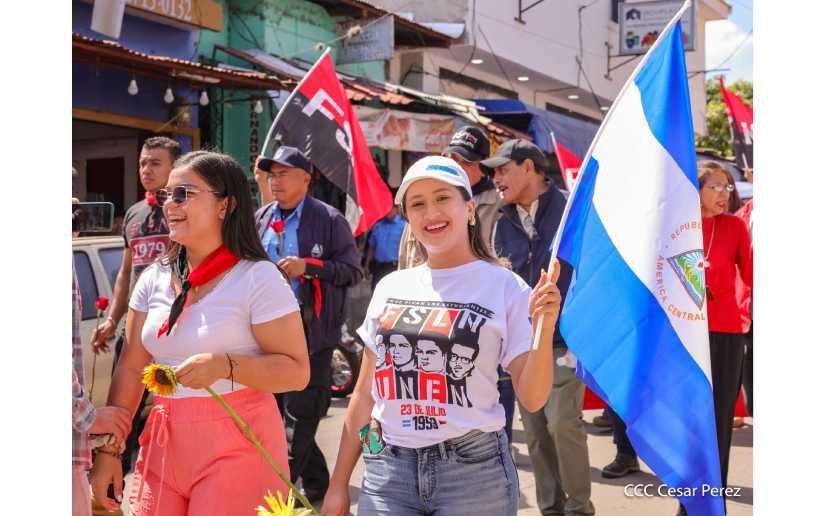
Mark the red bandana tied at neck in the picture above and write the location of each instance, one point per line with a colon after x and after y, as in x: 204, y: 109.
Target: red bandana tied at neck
x: 218, y: 262
x: 151, y: 200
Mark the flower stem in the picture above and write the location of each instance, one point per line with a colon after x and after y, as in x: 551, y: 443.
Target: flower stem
x: 249, y: 435
x: 94, y: 362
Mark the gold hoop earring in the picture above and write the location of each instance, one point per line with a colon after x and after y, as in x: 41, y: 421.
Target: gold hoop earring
x: 473, y: 219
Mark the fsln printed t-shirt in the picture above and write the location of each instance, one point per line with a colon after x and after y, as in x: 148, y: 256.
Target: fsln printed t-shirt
x: 438, y: 336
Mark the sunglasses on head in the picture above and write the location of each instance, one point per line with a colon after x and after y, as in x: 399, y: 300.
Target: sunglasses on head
x: 179, y: 194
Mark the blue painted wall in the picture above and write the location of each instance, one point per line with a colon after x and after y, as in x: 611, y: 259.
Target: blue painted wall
x: 103, y: 89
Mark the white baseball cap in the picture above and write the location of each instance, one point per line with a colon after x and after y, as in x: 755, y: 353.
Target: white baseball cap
x: 434, y: 167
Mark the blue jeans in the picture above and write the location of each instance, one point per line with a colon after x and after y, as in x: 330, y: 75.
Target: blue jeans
x: 473, y: 474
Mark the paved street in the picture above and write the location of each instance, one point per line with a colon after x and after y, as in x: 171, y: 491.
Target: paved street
x: 608, y: 495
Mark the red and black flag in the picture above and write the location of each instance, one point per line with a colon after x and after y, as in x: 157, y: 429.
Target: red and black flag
x: 740, y: 117
x: 569, y: 162
x: 318, y: 119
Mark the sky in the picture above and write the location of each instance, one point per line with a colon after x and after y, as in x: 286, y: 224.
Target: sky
x: 724, y: 36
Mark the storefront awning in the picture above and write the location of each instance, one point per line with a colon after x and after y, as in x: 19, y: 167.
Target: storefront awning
x: 357, y: 89
x: 573, y: 133
x: 110, y: 54
x: 464, y: 108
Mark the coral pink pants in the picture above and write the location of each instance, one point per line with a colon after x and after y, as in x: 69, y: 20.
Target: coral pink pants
x: 194, y: 459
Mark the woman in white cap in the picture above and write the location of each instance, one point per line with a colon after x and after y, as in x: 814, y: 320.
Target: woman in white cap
x: 425, y: 415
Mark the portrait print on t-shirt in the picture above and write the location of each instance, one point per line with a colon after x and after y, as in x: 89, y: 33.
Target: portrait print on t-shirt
x: 427, y: 349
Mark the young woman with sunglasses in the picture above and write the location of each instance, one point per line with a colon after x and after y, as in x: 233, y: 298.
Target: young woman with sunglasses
x: 222, y: 315
x: 425, y: 414
x: 728, y: 255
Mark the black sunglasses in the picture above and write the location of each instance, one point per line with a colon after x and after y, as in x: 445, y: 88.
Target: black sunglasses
x: 179, y: 194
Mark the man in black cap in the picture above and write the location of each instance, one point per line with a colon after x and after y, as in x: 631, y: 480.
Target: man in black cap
x: 468, y: 146
x: 556, y: 438
x: 312, y: 242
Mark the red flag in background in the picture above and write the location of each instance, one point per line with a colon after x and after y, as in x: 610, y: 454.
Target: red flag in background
x: 568, y: 162
x: 740, y: 117
x: 319, y: 119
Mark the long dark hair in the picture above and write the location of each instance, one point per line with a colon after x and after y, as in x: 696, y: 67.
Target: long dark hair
x: 478, y: 246
x: 225, y: 175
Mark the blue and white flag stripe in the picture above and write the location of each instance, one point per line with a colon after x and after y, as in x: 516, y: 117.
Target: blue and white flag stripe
x: 647, y: 197
x: 634, y: 317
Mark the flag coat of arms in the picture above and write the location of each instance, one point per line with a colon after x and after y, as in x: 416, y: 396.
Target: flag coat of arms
x: 635, y: 313
x: 319, y: 120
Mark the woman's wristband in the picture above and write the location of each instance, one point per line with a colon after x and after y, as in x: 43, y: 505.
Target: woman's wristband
x: 116, y: 455
x: 231, y: 375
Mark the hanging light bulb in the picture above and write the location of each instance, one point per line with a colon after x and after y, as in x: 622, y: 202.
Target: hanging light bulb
x: 168, y: 97
x: 204, y: 100
x: 258, y: 108
x: 132, y: 89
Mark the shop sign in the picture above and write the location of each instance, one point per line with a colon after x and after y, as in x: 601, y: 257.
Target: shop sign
x: 641, y: 22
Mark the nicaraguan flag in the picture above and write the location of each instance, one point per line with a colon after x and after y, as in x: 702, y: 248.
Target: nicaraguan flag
x: 635, y: 314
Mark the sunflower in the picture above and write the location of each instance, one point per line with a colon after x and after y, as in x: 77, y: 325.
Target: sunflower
x: 159, y: 379
x: 277, y: 507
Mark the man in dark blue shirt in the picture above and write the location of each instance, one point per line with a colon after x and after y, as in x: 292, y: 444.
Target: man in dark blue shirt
x: 313, y: 244
x: 383, y: 244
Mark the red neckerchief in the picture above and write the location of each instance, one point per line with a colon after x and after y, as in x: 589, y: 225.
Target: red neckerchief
x: 151, y: 200
x: 218, y: 262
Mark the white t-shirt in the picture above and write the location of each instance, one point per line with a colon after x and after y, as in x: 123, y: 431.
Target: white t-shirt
x: 439, y: 336
x: 221, y: 322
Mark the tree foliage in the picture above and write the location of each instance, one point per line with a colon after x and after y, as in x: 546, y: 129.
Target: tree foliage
x: 718, y: 136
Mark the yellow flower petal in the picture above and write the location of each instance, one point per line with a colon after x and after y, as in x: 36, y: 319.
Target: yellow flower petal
x: 159, y: 379
x: 279, y: 507
x: 271, y: 500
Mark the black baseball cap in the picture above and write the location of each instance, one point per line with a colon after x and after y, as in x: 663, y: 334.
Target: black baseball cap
x: 516, y: 150
x: 471, y: 143
x: 289, y: 157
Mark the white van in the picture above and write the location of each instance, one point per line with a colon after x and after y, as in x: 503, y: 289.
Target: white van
x: 97, y: 261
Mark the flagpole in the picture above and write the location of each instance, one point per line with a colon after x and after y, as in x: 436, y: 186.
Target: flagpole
x: 558, y: 158
x: 583, y: 170
x: 288, y: 100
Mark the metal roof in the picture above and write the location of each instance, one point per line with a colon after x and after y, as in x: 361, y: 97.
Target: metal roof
x: 111, y: 54
x: 357, y: 89
x: 407, y: 31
